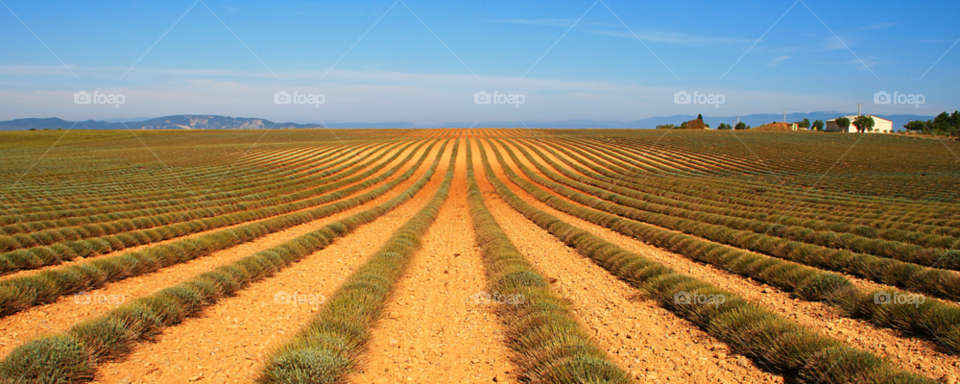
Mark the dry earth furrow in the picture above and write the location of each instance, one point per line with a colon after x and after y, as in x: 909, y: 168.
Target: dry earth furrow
x: 230, y: 339
x: 199, y: 188
x: 433, y: 332
x: 648, y: 158
x: 860, y: 283
x: 65, y: 312
x: 78, y: 260
x: 642, y: 337
x: 916, y: 355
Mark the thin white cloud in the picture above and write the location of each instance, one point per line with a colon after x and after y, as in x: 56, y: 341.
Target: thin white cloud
x: 672, y: 37
x: 870, y: 62
x: 779, y: 60
x: 139, y: 73
x: 931, y: 41
x: 565, y: 23
x: 834, y: 42
x: 36, y: 70
x: 876, y: 26
x: 617, y: 30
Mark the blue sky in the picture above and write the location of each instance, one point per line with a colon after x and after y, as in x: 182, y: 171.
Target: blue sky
x: 424, y: 61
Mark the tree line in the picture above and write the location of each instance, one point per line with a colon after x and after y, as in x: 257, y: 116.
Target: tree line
x: 945, y: 124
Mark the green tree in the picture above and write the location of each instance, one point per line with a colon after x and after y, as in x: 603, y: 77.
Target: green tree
x: 724, y: 127
x: 916, y: 126
x: 818, y: 125
x: 955, y: 116
x: 941, y: 123
x: 944, y: 124
x: 864, y: 123
x: 741, y: 126
x: 700, y: 117
x: 805, y: 123
x: 947, y: 124
x: 843, y: 123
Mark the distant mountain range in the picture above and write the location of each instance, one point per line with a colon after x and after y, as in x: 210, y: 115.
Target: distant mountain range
x: 225, y: 122
x: 166, y: 122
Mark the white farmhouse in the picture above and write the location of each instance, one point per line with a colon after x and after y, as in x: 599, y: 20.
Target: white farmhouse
x: 880, y: 125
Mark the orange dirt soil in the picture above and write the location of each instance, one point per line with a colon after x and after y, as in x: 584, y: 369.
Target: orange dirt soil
x: 646, y: 340
x: 65, y: 312
x: 80, y: 260
x: 230, y: 340
x: 432, y: 330
x: 916, y: 355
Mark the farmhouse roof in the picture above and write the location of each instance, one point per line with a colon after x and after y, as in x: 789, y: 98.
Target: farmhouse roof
x: 854, y: 117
